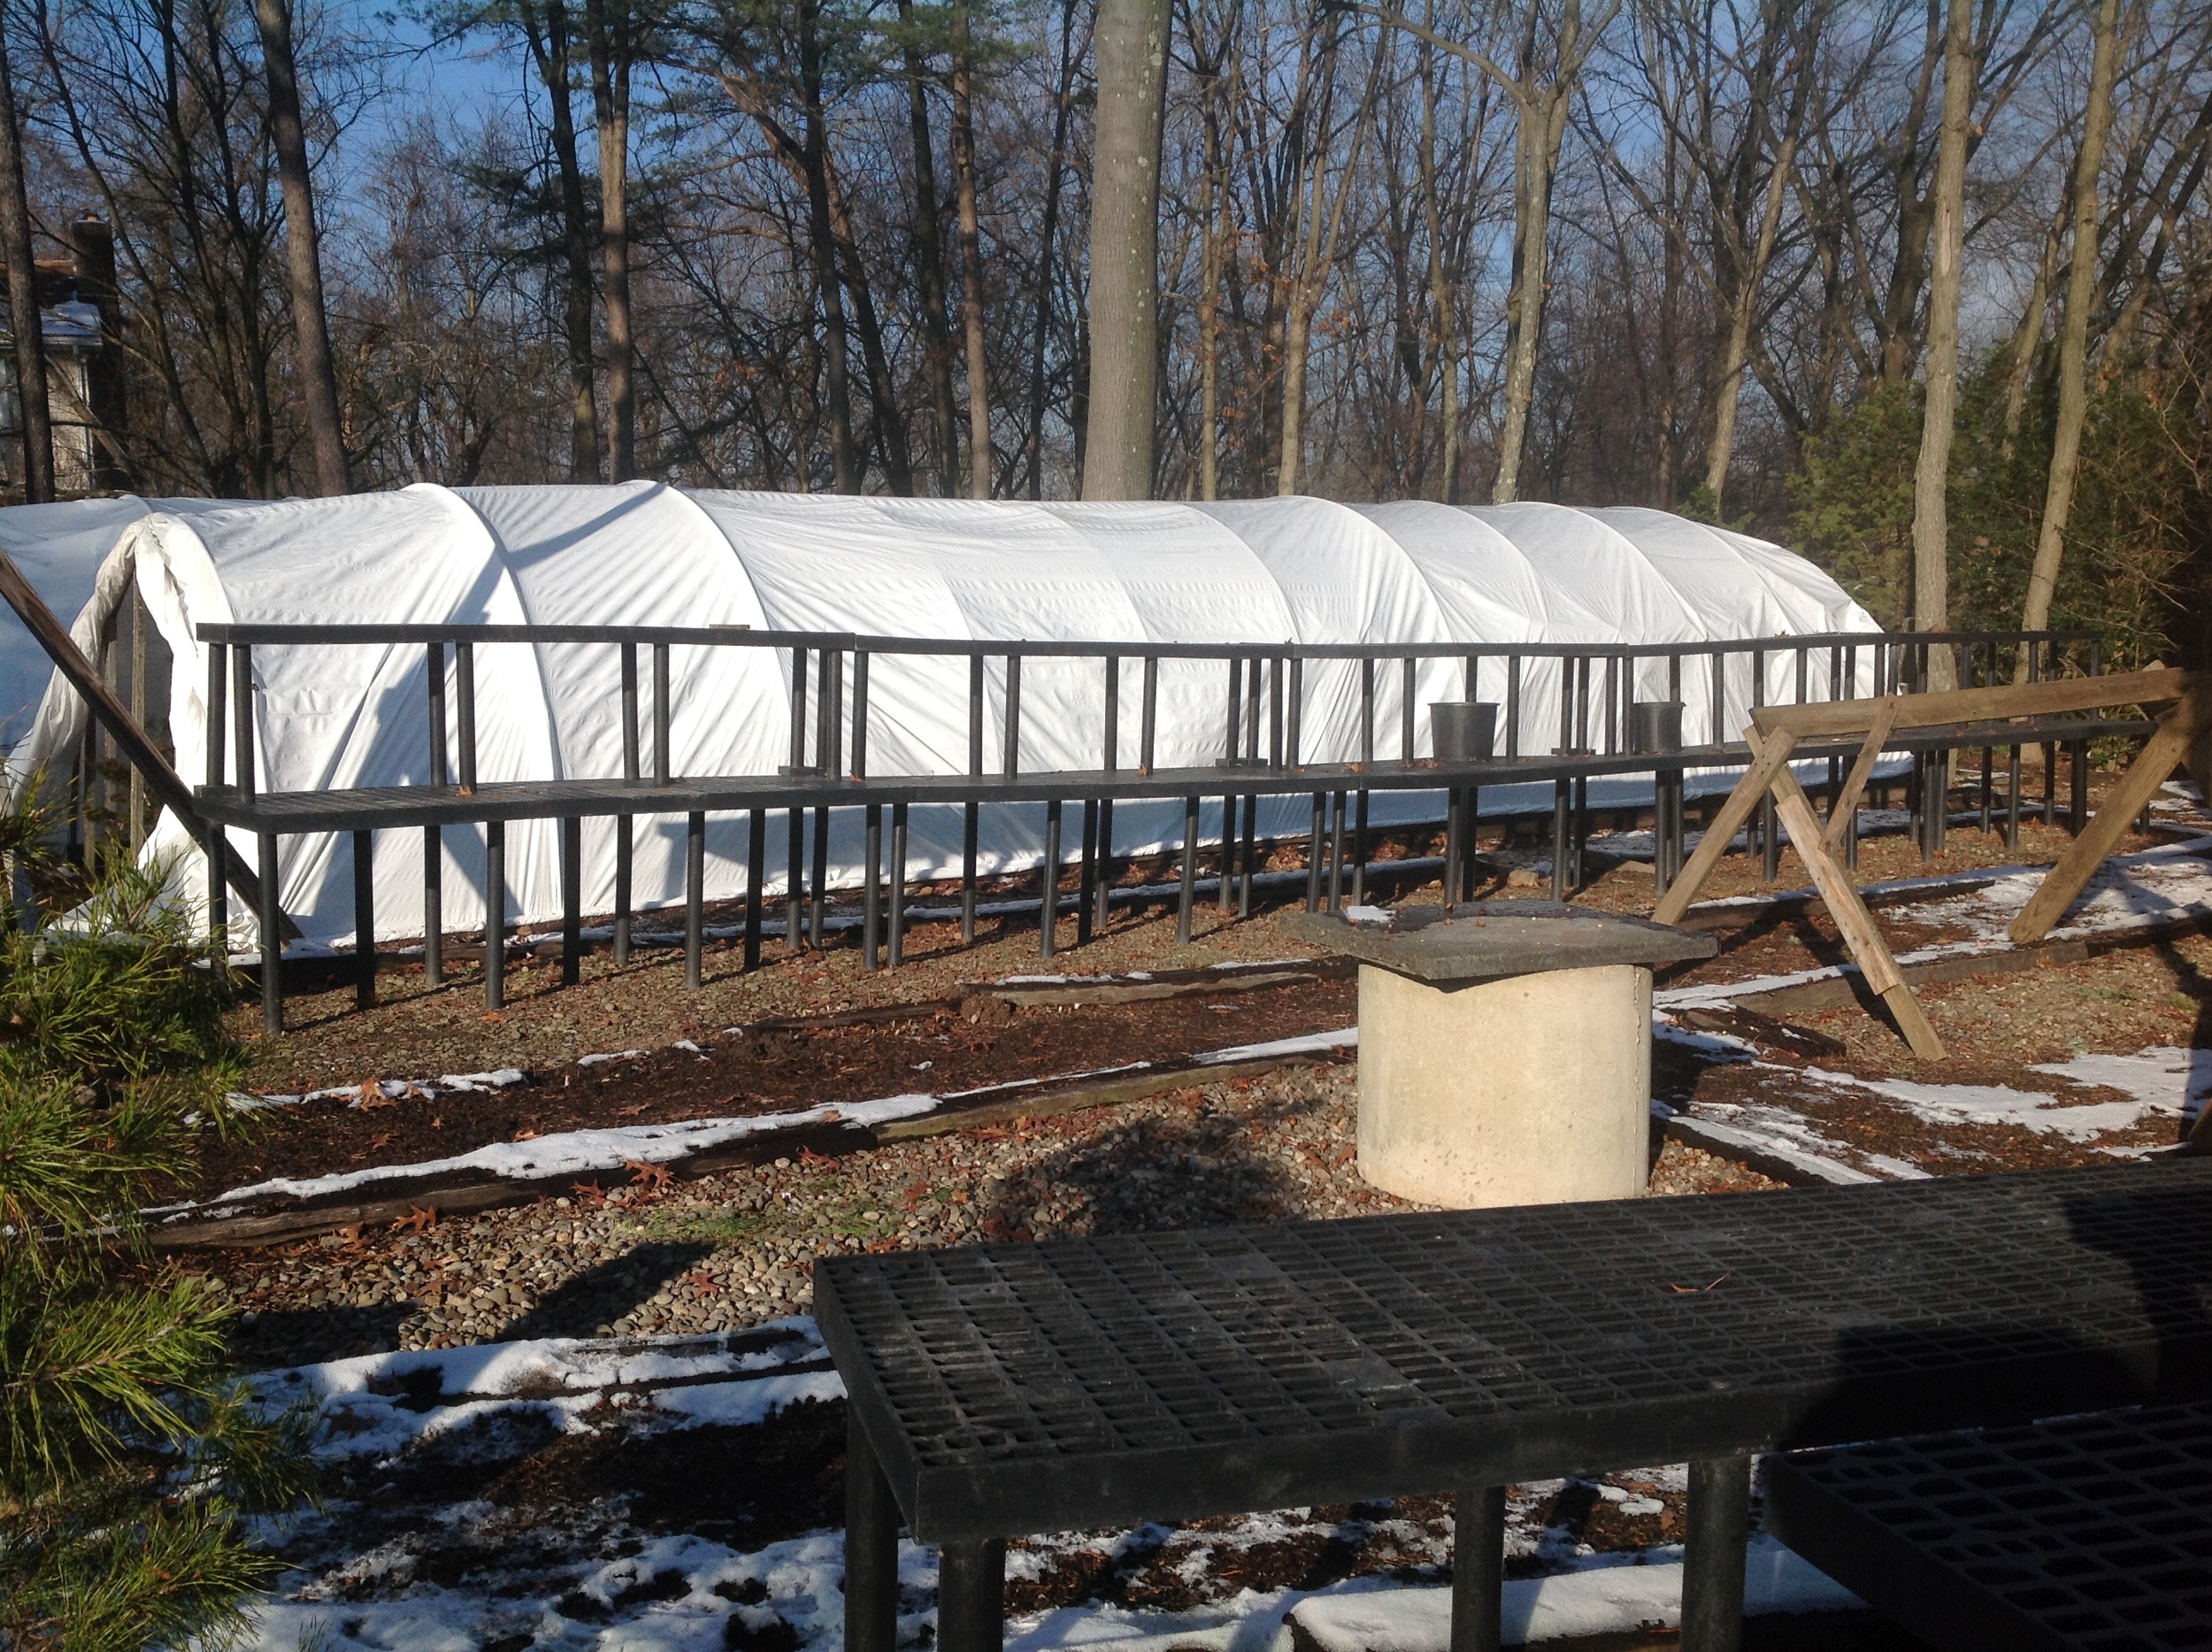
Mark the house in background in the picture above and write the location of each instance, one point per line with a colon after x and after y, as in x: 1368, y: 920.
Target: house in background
x: 83, y: 320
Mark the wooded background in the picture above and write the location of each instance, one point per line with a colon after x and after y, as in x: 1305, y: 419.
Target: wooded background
x: 1715, y: 257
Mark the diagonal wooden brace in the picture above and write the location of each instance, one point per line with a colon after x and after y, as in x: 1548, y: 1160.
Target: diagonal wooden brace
x: 1770, y: 756
x: 1847, y: 802
x: 2162, y: 754
x: 1859, y: 932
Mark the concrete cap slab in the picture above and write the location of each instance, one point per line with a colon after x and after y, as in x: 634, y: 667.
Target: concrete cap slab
x: 1488, y: 940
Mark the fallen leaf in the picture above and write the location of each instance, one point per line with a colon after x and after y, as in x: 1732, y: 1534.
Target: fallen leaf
x: 630, y: 1112
x: 420, y: 1220
x: 382, y: 1140
x: 807, y: 1156
x: 525, y: 1135
x: 590, y: 1194
x: 372, y: 1094
x: 647, y: 1178
x: 492, y: 1017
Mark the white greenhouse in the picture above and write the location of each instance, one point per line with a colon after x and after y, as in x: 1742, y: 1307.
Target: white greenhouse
x: 1271, y: 572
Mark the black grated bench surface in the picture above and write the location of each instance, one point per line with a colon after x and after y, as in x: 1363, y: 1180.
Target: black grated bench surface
x: 1017, y: 1389
x: 2083, y: 1535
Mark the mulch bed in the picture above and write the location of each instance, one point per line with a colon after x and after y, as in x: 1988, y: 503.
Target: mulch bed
x: 775, y: 1071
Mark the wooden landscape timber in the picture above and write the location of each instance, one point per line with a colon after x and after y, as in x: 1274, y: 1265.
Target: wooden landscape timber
x: 1775, y: 732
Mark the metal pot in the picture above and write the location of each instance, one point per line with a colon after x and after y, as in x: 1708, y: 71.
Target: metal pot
x: 1655, y: 725
x: 1464, y: 731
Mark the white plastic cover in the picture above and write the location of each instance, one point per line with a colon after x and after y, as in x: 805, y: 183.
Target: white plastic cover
x: 1269, y: 571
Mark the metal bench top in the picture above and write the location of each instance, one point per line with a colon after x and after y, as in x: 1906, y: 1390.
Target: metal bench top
x: 1032, y: 1388
x: 2087, y: 1534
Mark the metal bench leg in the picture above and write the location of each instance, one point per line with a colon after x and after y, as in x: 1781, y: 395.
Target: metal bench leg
x: 972, y: 1596
x: 1719, y: 1527
x: 694, y: 898
x: 572, y: 901
x: 871, y: 1549
x: 895, y: 949
x: 494, y: 914
x: 1477, y: 1569
x: 1049, y: 878
x: 871, y: 891
x: 1184, y: 899
x: 270, y: 919
x: 433, y: 905
x: 365, y: 920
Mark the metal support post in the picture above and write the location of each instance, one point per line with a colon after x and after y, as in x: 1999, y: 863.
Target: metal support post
x: 494, y: 914
x: 972, y: 1596
x: 897, y: 950
x: 571, y: 899
x: 433, y: 905
x: 1719, y: 1527
x: 872, y: 890
x: 1086, y: 888
x: 1477, y: 1569
x: 1048, y: 881
x: 694, y: 898
x: 872, y: 1548
x: 1190, y: 871
x: 755, y: 873
x: 271, y: 938
x: 365, y: 920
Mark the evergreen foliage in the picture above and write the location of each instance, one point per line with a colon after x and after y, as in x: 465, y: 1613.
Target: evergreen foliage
x: 131, y: 1458
x: 2126, y: 543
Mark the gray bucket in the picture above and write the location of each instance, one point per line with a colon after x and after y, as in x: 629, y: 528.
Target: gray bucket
x: 1464, y: 731
x: 1655, y: 725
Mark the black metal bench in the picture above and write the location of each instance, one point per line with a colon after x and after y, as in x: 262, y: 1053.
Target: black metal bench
x: 1007, y: 1389
x: 2087, y: 1534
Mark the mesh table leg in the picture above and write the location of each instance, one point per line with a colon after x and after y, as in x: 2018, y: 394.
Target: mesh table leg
x: 871, y: 1549
x: 1719, y: 1527
x: 1477, y: 1569
x: 971, y: 1597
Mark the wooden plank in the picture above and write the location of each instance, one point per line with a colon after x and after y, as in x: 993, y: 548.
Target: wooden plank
x: 1772, y: 756
x: 2160, y: 757
x: 1847, y: 802
x: 1967, y: 705
x: 1859, y: 932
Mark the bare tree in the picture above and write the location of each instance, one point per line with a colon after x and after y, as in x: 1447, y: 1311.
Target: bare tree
x: 970, y: 252
x: 1931, y: 520
x: 611, y: 31
x: 310, y: 321
x: 2073, y: 347
x: 1131, y: 46
x: 25, y: 325
x: 1543, y: 86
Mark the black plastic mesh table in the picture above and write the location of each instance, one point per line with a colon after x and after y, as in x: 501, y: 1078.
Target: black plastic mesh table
x: 1007, y: 1389
x: 2088, y: 1533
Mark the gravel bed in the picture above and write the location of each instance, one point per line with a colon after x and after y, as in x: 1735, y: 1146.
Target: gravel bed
x: 733, y: 1250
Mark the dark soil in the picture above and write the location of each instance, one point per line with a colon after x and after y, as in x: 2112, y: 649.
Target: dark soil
x: 781, y: 1071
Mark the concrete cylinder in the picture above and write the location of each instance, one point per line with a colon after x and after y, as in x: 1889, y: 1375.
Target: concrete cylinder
x: 1528, y: 1089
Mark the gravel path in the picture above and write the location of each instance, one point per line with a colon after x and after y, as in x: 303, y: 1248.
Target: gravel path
x: 733, y: 1250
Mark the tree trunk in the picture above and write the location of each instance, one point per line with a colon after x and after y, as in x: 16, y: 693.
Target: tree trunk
x: 980, y: 468
x: 319, y: 379
x: 2073, y: 339
x: 1048, y: 242
x: 1931, y: 521
x: 929, y: 259
x: 1535, y: 142
x: 890, y: 421
x: 611, y: 60
x: 1209, y: 341
x: 25, y: 325
x: 814, y: 163
x: 1439, y: 289
x: 583, y: 441
x: 1741, y: 314
x: 1130, y: 53
x: 2027, y: 339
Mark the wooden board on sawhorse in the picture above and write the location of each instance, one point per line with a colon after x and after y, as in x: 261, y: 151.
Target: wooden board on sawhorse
x: 1777, y: 730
